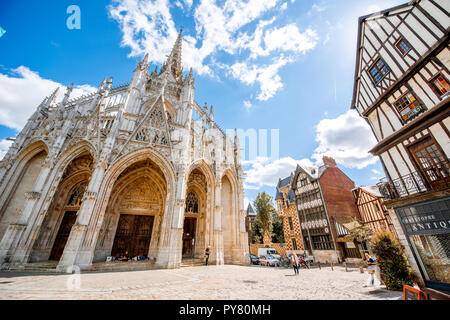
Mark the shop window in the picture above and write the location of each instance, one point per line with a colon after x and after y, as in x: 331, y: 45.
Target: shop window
x: 434, y: 252
x: 378, y: 71
x: 408, y: 106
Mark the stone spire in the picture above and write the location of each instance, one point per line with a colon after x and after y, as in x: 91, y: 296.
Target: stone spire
x: 211, y: 114
x: 67, y: 94
x: 173, y: 63
x: 53, y: 96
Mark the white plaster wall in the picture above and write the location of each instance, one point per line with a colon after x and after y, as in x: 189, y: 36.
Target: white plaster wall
x: 441, y: 137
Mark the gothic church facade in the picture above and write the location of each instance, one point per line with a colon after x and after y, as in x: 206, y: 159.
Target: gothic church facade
x: 138, y: 168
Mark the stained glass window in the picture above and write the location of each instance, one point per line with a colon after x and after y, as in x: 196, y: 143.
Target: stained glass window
x: 76, y: 198
x: 441, y: 84
x: 408, y: 106
x: 191, y: 203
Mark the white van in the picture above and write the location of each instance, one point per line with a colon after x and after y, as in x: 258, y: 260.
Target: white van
x: 271, y: 251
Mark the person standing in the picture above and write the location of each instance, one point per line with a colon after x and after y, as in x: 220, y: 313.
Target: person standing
x: 207, y: 253
x: 294, y: 263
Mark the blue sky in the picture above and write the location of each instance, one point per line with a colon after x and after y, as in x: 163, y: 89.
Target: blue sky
x: 262, y: 64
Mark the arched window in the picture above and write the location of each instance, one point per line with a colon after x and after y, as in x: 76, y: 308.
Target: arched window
x: 191, y: 203
x: 76, y: 197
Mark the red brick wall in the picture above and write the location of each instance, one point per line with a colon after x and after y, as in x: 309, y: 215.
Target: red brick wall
x: 338, y: 196
x: 337, y: 193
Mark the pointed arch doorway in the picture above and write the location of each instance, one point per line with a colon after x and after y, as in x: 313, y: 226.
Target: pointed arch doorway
x: 194, y: 225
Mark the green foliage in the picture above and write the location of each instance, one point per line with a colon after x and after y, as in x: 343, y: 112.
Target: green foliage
x: 393, y: 264
x: 265, y: 210
x: 277, y: 229
x: 256, y: 235
x: 266, y: 220
x: 362, y: 232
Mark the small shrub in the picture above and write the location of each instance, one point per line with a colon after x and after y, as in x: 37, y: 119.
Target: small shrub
x: 393, y: 264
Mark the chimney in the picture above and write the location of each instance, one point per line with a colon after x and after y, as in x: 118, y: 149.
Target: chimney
x: 329, y: 161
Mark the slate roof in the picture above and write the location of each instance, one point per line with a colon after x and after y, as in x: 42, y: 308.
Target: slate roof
x: 284, y: 182
x: 278, y: 195
x: 250, y: 211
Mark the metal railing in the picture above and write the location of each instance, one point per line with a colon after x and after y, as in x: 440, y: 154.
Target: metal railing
x: 415, y: 183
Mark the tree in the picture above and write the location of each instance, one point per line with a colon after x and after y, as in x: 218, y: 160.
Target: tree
x: 393, y: 265
x: 361, y: 232
x: 265, y: 210
x: 256, y: 236
x: 277, y: 228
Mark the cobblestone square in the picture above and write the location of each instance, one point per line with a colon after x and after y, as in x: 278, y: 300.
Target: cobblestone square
x: 212, y: 282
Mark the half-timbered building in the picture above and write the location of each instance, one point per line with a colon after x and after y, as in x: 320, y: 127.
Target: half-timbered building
x: 373, y: 212
x: 322, y: 195
x: 402, y: 89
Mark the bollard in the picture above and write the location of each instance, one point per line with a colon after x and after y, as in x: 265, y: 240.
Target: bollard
x: 332, y: 266
x: 345, y: 265
x: 319, y: 265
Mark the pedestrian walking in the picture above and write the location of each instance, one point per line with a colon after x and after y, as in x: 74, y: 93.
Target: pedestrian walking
x: 207, y: 252
x: 294, y: 263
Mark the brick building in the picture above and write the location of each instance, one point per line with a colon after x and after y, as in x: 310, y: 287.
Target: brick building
x: 285, y: 199
x: 323, y: 197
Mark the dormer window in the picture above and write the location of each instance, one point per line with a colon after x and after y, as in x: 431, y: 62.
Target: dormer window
x: 378, y: 71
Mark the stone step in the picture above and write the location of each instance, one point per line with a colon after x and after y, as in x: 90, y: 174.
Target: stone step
x: 121, y: 266
x: 45, y: 266
x: 192, y: 262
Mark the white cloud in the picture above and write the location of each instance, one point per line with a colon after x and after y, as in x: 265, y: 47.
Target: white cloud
x: 266, y: 76
x: 246, y: 202
x: 346, y: 138
x: 16, y: 107
x: 316, y: 8
x: 4, y: 145
x: 149, y: 27
x: 247, y: 104
x: 261, y: 172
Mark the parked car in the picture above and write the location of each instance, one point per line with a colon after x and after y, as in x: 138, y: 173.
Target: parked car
x: 269, y: 260
x: 254, y: 259
x: 271, y: 251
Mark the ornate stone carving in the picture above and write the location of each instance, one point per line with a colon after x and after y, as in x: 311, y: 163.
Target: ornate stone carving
x: 33, y: 195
